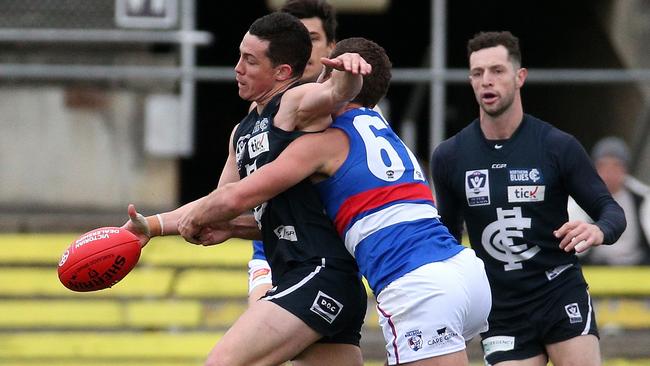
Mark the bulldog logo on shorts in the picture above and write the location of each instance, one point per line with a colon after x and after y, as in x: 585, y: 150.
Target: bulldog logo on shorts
x: 326, y: 307
x: 414, y: 339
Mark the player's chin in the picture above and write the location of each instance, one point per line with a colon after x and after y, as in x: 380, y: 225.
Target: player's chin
x: 493, y: 110
x: 244, y: 94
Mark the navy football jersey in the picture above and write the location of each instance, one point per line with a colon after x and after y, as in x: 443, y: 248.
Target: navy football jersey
x: 295, y: 228
x: 512, y: 195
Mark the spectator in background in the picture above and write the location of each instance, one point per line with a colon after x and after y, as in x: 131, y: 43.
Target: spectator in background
x: 611, y: 157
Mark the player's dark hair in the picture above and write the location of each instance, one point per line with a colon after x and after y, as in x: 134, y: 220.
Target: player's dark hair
x: 321, y: 9
x: 289, y: 41
x: 375, y: 84
x: 506, y: 39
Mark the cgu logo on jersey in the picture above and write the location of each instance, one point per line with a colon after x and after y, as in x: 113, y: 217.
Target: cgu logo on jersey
x: 477, y: 187
x: 497, y: 239
x: 526, y: 193
x: 258, y: 144
x: 525, y: 175
x: 286, y: 233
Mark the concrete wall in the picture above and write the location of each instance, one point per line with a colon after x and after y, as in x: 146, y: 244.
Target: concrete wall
x: 627, y: 23
x: 64, y: 147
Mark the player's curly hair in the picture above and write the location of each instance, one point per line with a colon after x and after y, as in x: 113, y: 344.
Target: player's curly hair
x: 375, y: 85
x: 506, y: 39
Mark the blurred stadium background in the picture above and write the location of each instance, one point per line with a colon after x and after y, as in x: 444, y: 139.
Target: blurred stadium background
x: 107, y: 102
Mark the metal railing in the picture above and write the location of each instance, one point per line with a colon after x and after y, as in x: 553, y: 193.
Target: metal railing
x: 188, y: 73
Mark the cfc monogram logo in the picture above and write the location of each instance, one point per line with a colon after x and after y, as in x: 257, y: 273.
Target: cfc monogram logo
x: 497, y: 239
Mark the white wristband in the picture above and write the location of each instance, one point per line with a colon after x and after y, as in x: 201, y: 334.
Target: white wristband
x: 162, y: 225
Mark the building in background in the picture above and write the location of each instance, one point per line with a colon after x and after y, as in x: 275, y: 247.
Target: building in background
x: 75, y: 140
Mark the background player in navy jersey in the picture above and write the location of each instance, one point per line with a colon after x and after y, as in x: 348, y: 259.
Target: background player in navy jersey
x: 319, y: 296
x: 508, y: 176
x: 319, y: 17
x: 432, y: 293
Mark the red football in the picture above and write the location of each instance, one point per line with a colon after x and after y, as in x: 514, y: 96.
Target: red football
x: 99, y: 259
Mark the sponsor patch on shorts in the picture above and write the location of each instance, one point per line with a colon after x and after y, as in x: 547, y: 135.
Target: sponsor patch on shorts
x: 498, y: 343
x: 326, y: 306
x: 414, y: 339
x: 573, y: 311
x: 442, y: 336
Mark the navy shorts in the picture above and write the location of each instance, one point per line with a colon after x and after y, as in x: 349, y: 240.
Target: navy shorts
x: 329, y: 297
x: 523, y: 332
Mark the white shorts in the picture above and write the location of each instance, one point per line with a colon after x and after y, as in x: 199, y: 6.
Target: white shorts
x: 434, y: 309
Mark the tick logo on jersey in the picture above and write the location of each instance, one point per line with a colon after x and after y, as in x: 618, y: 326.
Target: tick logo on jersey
x: 497, y: 239
x: 526, y: 193
x: 477, y: 187
x: 286, y: 233
x: 414, y: 339
x: 573, y: 311
x: 326, y: 307
x: 258, y: 144
x: 525, y: 175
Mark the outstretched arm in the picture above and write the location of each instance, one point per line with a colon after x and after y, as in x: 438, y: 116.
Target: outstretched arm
x: 160, y: 224
x: 309, y: 107
x: 305, y: 156
x: 145, y: 228
x: 167, y: 223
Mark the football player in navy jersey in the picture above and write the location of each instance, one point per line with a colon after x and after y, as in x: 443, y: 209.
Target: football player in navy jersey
x: 319, y: 17
x: 508, y: 176
x: 314, y: 313
x: 432, y: 293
